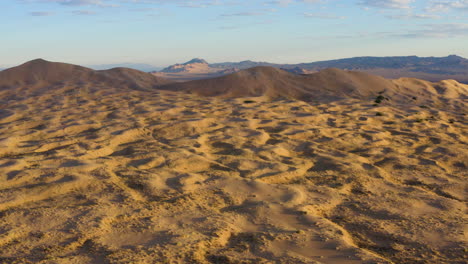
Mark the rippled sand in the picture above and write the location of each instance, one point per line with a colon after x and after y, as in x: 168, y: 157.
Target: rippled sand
x: 160, y: 177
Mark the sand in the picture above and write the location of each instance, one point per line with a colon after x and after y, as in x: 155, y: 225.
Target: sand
x: 94, y: 174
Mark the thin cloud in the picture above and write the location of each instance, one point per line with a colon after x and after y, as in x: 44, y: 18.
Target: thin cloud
x: 240, y: 14
x: 323, y: 16
x: 83, y: 12
x: 233, y: 27
x: 41, y: 14
x: 288, y: 2
x: 100, y: 3
x: 426, y: 31
x: 414, y: 16
x: 447, y: 30
x: 446, y: 6
x: 387, y: 4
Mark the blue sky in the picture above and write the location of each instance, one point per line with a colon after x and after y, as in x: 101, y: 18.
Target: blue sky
x: 163, y: 32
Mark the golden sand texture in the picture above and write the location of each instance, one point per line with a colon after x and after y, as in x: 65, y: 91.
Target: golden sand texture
x: 165, y: 177
x: 108, y: 170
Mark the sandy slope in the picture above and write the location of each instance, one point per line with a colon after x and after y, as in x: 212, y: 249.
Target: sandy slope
x: 92, y: 173
x: 37, y: 76
x: 327, y: 86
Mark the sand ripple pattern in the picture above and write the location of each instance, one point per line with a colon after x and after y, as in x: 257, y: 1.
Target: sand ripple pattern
x: 161, y: 177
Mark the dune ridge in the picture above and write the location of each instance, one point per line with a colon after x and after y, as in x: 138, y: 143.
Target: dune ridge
x: 99, y: 173
x: 327, y: 85
x: 39, y: 75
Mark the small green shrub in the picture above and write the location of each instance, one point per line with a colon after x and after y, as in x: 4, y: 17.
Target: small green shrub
x: 379, y: 99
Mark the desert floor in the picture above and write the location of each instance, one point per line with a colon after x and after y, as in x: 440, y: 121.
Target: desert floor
x: 163, y: 177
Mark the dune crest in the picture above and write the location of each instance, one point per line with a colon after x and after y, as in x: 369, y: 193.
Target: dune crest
x: 39, y: 73
x: 327, y: 85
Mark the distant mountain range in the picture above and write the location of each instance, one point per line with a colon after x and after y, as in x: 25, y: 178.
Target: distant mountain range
x: 137, y: 66
x: 428, y: 68
x: 38, y: 77
x: 452, y: 64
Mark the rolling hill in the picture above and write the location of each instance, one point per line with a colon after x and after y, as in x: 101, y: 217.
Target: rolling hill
x: 326, y: 85
x: 37, y: 76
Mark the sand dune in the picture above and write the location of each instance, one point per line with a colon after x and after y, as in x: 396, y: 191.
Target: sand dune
x: 327, y: 85
x: 39, y: 75
x: 268, y: 81
x: 97, y: 173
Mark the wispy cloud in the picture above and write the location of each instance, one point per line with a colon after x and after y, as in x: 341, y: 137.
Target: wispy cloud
x: 447, y: 30
x: 83, y: 12
x: 386, y: 4
x: 204, y: 4
x: 288, y: 2
x: 246, y: 25
x: 323, y: 16
x: 242, y: 14
x: 100, y: 3
x: 445, y: 6
x: 78, y: 2
x: 425, y: 31
x: 414, y: 16
x: 280, y: 2
x: 41, y: 13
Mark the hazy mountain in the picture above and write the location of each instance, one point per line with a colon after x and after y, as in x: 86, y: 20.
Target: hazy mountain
x: 428, y: 68
x: 245, y: 64
x: 137, y: 66
x: 192, y: 66
x: 196, y: 60
x: 195, y: 69
x: 439, y: 65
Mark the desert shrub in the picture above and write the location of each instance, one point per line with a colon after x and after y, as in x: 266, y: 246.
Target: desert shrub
x: 379, y: 99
